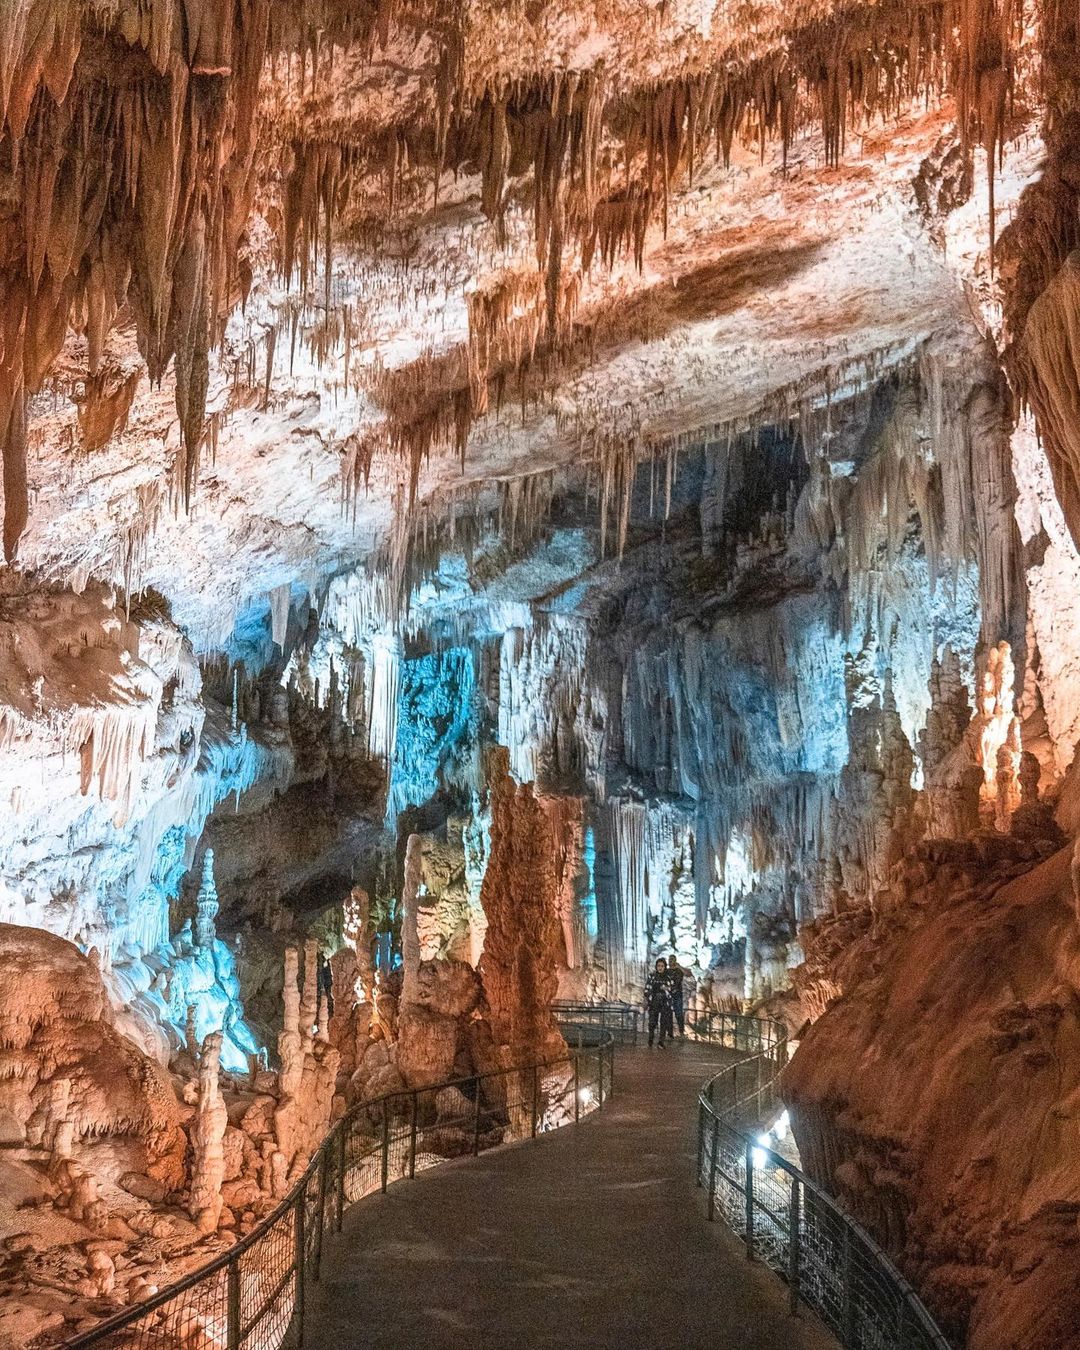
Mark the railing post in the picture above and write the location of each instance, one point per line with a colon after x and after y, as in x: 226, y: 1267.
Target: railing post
x: 322, y: 1211
x: 714, y: 1152
x: 577, y: 1091
x: 535, y: 1101
x: 298, y: 1238
x: 700, y: 1143
x: 385, y: 1177
x: 339, y: 1196
x: 232, y: 1312
x: 749, y: 1200
x: 476, y: 1120
x: 794, y: 1246
x: 412, y: 1136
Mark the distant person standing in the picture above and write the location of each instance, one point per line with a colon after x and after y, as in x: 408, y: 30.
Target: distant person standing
x: 676, y: 978
x: 658, y: 1003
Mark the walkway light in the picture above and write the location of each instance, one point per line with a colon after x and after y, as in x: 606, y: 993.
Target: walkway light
x: 585, y: 1095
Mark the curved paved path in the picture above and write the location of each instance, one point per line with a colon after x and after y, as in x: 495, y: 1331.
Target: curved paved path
x: 594, y: 1236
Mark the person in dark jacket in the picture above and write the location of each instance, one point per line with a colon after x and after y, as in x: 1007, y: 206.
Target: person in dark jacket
x: 658, y: 1002
x: 675, y: 977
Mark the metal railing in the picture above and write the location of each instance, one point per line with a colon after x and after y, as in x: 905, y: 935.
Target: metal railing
x: 829, y: 1263
x: 623, y: 1020
x: 626, y: 1022
x: 252, y: 1296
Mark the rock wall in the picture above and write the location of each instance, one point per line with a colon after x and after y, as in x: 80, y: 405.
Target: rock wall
x: 937, y: 1097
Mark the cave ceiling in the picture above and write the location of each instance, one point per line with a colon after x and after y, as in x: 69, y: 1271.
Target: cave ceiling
x: 284, y: 282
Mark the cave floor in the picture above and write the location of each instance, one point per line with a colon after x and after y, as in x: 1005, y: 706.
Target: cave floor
x: 591, y: 1236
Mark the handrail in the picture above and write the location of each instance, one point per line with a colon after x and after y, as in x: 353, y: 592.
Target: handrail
x: 259, y: 1283
x: 828, y: 1261
x: 623, y: 1020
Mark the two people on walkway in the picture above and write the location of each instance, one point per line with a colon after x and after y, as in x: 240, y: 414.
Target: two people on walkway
x: 664, y: 1000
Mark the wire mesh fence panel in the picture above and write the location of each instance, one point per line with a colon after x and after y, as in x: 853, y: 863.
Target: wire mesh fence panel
x: 267, y: 1283
x: 520, y: 1102
x: 195, y: 1315
x: 200, y: 1314
x: 590, y: 1077
x: 772, y: 1215
x: 363, y: 1155
x: 398, y: 1139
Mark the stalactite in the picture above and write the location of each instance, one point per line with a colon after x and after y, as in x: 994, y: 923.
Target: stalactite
x: 1051, y: 345
x: 626, y: 933
x: 988, y: 35
x: 280, y: 604
x: 126, y: 196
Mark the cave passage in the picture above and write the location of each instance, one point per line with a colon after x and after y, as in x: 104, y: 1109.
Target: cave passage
x: 593, y: 1235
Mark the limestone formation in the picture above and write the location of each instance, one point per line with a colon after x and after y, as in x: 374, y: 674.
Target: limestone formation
x: 410, y: 919
x: 207, y: 1134
x: 308, y: 1073
x: 519, y: 896
x: 206, y: 905
x: 952, y: 780
x: 359, y: 932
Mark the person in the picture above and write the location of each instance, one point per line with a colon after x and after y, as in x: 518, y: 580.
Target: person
x: 658, y: 1002
x: 675, y: 977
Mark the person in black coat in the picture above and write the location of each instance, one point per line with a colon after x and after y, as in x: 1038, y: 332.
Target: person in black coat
x: 658, y: 1003
x: 676, y: 977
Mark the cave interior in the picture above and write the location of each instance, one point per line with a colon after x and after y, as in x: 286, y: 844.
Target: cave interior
x: 499, y: 491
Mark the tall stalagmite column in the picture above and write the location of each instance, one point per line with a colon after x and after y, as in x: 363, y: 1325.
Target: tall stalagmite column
x: 520, y: 899
x: 207, y: 1136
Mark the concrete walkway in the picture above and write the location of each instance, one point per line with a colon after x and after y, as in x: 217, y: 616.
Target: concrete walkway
x: 591, y: 1236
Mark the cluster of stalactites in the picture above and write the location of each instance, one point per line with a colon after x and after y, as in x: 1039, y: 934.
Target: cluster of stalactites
x: 127, y: 194
x: 603, y: 155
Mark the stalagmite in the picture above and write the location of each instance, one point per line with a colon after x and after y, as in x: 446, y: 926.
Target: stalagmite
x: 309, y: 1003
x: 522, y: 941
x: 191, y: 1040
x: 206, y: 905
x: 207, y: 1134
x: 291, y: 1055
x: 410, y: 934
x: 358, y: 930
x: 1007, y: 778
